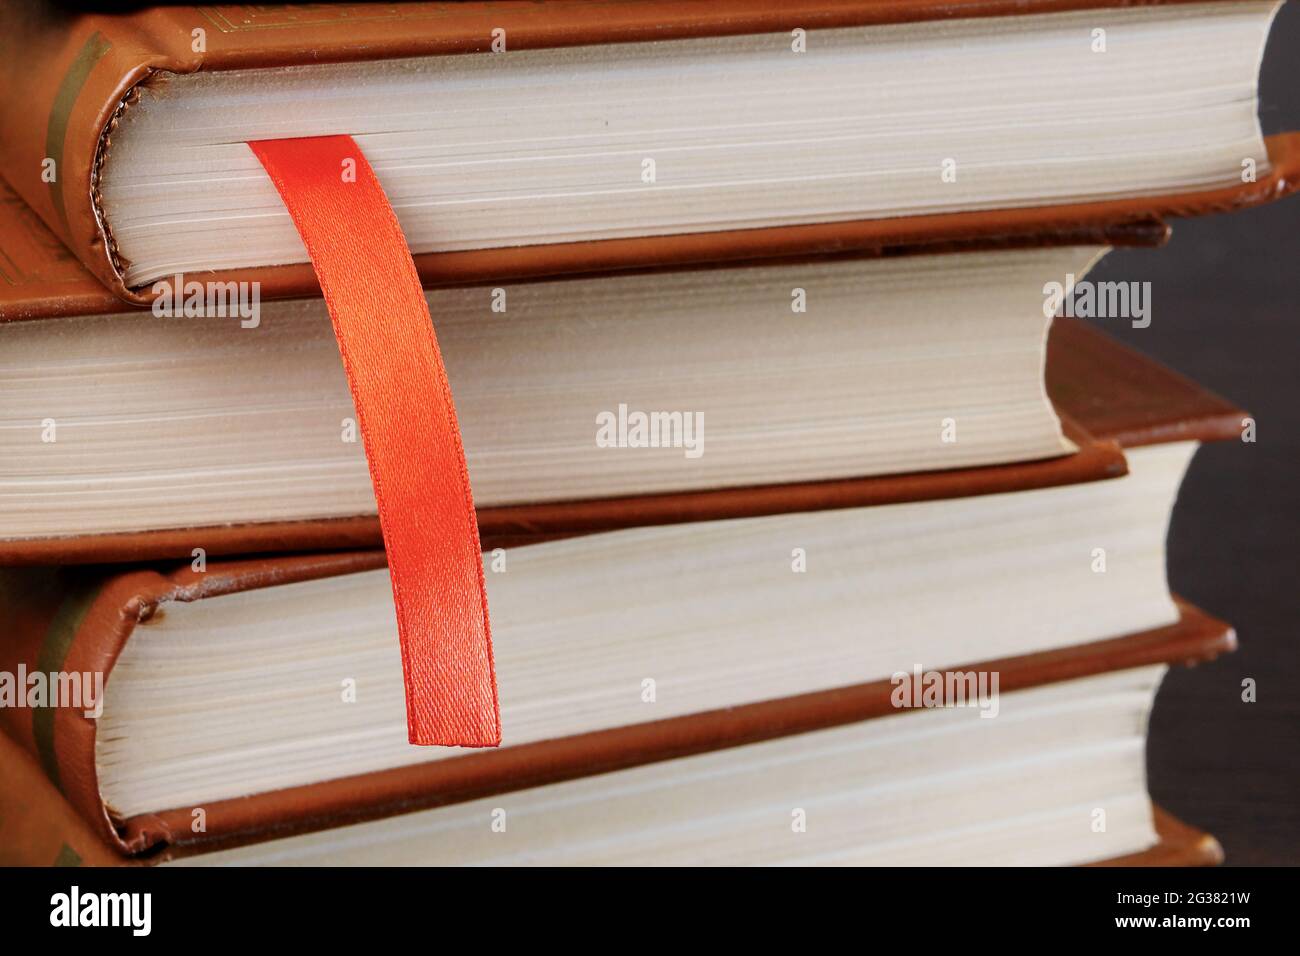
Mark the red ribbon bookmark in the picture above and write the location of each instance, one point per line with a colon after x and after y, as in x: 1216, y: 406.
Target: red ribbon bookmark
x: 408, y: 425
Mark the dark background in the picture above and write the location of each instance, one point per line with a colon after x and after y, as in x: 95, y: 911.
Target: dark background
x: 1225, y: 297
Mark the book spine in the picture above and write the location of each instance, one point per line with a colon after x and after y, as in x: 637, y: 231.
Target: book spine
x: 53, y: 669
x: 67, y: 627
x: 38, y: 827
x: 49, y: 129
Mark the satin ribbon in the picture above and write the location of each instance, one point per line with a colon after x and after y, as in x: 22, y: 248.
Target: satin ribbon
x: 408, y: 425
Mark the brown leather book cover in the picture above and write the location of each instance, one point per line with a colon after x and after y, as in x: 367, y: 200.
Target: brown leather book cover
x: 1180, y: 845
x: 71, y: 621
x: 68, y: 78
x: 37, y: 826
x: 1125, y: 396
x: 1108, y: 396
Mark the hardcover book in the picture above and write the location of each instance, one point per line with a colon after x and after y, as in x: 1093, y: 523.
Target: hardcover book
x: 569, y: 147
x: 906, y: 363
x: 884, y: 781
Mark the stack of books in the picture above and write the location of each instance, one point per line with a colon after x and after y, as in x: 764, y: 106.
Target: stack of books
x: 821, y: 522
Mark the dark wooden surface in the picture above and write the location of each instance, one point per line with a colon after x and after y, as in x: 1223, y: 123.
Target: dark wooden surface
x: 1226, y: 310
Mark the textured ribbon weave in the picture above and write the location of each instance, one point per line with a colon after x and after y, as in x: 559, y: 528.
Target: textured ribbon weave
x: 408, y: 424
